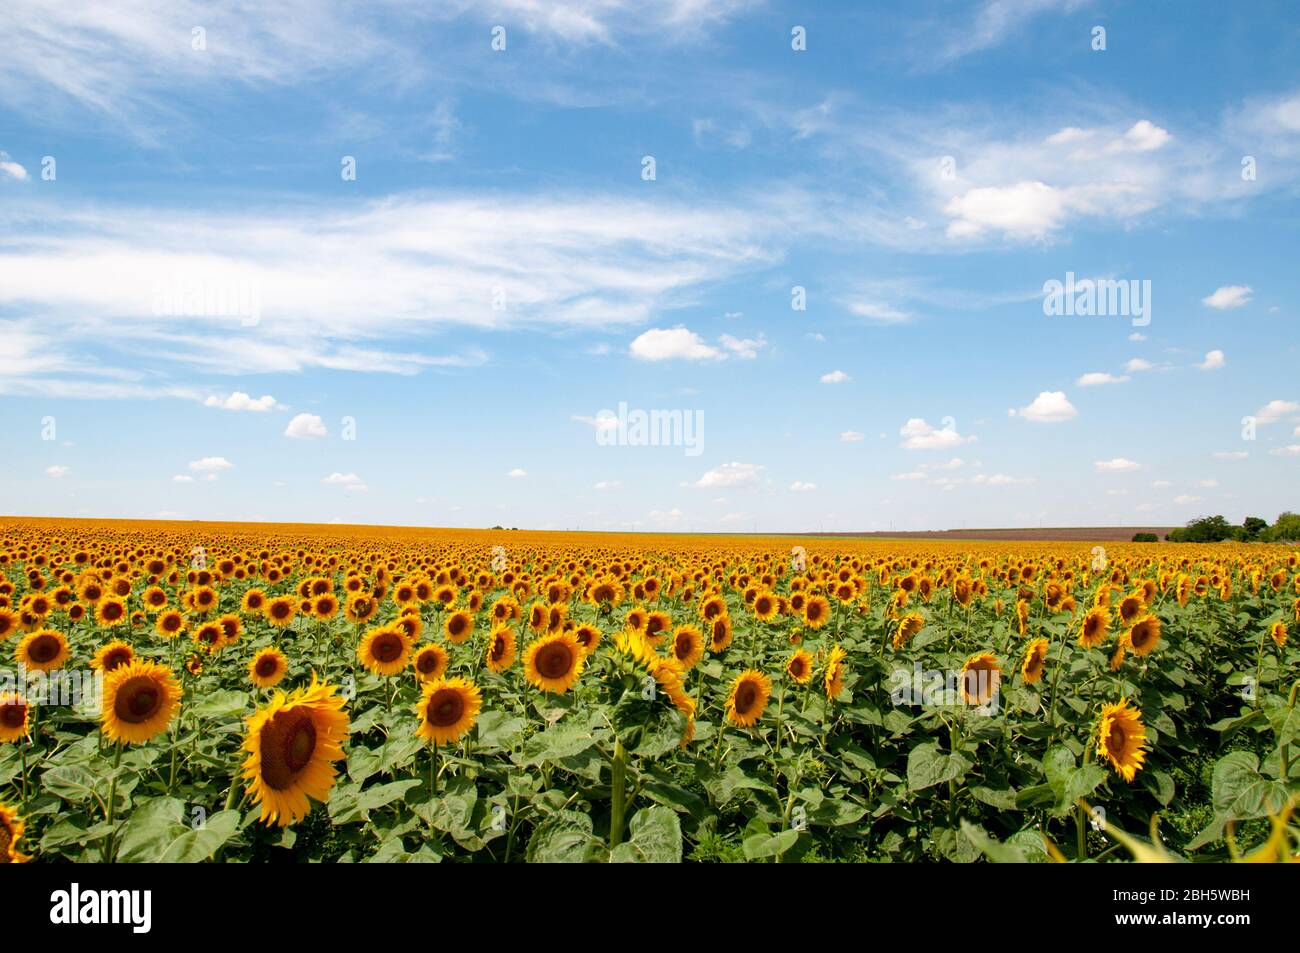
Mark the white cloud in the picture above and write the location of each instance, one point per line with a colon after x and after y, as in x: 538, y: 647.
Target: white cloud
x: 604, y: 421
x: 1049, y: 407
x: 798, y: 486
x: 1160, y: 484
x: 1137, y: 365
x: 877, y: 311
x: 1142, y: 136
x: 851, y: 436
x: 919, y: 435
x: 182, y: 478
x: 10, y: 168
x: 1002, y: 479
x: 1137, y: 336
x: 730, y: 474
x: 517, y: 473
x: 210, y: 464
x: 1275, y: 410
x: 663, y: 344
x: 913, y: 475
x: 956, y: 463
x: 342, y: 479
x: 1230, y: 454
x: 305, y: 426
x: 609, y: 485
x: 1023, y: 210
x: 746, y: 348
x: 835, y: 377
x: 1184, y: 498
x: 1116, y: 465
x: 241, y: 401
x: 1292, y: 451
x: 1213, y: 361
x: 1207, y: 484
x: 1228, y: 297
x: 1097, y: 378
x: 57, y: 471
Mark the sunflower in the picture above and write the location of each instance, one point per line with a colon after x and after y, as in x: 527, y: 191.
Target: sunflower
x: 749, y: 694
x: 268, y: 668
x: 816, y: 612
x: 113, y: 655
x: 254, y: 601
x: 588, y: 636
x: 169, y: 624
x: 13, y: 716
x: 430, y: 662
x: 554, y: 662
x: 43, y: 650
x: 110, y: 612
x: 139, y: 701
x: 1121, y: 738
x: 501, y: 649
x: 207, y: 636
x: 1277, y: 632
x: 292, y: 744
x: 11, y: 831
x: 688, y: 646
x: 194, y: 665
x: 979, y: 678
x: 1095, y: 627
x: 360, y: 607
x: 657, y: 625
x: 447, y: 710
x: 908, y: 626
x: 833, y: 681
x: 1031, y: 668
x: 1144, y: 635
x: 8, y: 623
x: 384, y: 651
x: 458, y: 626
x: 281, y: 610
x: 800, y: 666
x: 231, y: 628
x: 719, y: 634
x: 765, y: 606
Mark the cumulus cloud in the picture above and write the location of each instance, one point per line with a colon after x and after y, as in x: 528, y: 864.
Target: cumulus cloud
x: 730, y: 474
x: 912, y: 475
x: 517, y: 473
x: 917, y: 434
x: 1049, y: 407
x: 609, y: 485
x: 835, y: 377
x: 1230, y: 454
x: 1275, y: 410
x: 1213, y: 361
x: 10, y: 168
x: 1001, y: 479
x: 1228, y: 297
x: 238, y: 400
x: 1291, y: 451
x: 210, y: 464
x: 306, y: 426
x: 798, y: 486
x: 668, y: 344
x: 182, y: 478
x: 1097, y: 378
x: 852, y: 436
x: 1116, y: 465
x: 57, y: 471
x: 1138, y: 364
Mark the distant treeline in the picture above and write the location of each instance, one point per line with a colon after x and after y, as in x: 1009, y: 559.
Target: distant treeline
x: 1216, y: 529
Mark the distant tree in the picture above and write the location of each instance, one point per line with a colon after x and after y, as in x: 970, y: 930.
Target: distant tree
x: 498, y: 527
x: 1252, y: 527
x: 1208, y: 529
x: 1285, y: 529
x: 1146, y: 538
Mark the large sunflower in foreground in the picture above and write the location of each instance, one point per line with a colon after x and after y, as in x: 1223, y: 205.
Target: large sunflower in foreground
x: 11, y: 831
x: 554, y: 662
x: 268, y: 668
x: 834, y: 680
x: 979, y: 678
x: 292, y: 744
x: 13, y: 716
x: 139, y: 701
x: 1121, y: 738
x: 749, y: 694
x: 43, y: 650
x: 447, y: 710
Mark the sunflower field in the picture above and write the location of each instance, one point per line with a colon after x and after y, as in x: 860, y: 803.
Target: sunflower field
x: 228, y: 692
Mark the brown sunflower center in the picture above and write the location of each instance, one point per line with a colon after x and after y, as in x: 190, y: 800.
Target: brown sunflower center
x: 445, y: 708
x: 387, y: 647
x: 44, y: 648
x: 112, y: 611
x: 288, y: 741
x: 456, y: 625
x: 498, y: 648
x: 138, y: 700
x: 428, y: 662
x: 116, y: 658
x: 746, y: 695
x: 12, y: 714
x: 267, y: 666
x: 554, y: 660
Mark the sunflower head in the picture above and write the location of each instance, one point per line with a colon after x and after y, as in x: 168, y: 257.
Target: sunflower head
x: 430, y: 662
x: 112, y: 655
x: 979, y: 678
x: 1095, y: 627
x: 268, y: 668
x: 1144, y: 635
x: 385, y: 650
x: 14, y: 711
x: 140, y: 699
x: 43, y: 650
x: 1121, y: 738
x: 749, y: 694
x: 554, y: 662
x: 11, y: 832
x: 292, y: 744
x: 833, y: 681
x: 500, y: 654
x: 1031, y: 668
x: 447, y: 710
x: 800, y: 667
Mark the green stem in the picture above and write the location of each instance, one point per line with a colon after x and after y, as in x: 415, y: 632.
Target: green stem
x: 618, y: 793
x: 111, y: 809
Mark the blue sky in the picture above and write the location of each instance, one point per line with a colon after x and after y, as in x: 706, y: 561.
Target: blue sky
x: 435, y: 338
